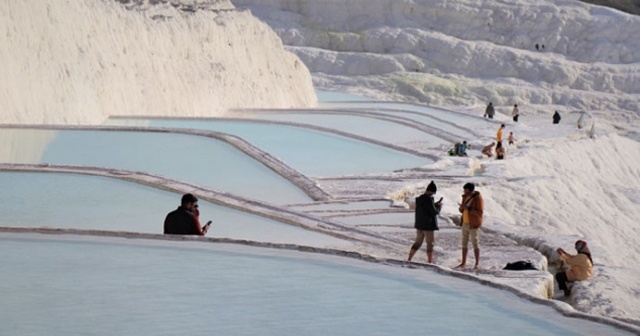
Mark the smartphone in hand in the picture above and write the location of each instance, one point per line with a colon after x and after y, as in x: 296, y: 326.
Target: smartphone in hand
x: 205, y: 228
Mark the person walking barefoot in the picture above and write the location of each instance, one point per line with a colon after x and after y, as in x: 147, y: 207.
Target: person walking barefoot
x: 472, y: 209
x: 426, y: 221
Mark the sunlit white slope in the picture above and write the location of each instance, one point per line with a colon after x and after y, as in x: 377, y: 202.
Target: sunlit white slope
x: 80, y: 61
x: 468, y: 52
x: 566, y: 189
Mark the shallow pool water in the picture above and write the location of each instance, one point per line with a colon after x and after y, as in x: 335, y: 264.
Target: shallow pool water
x: 366, y: 127
x: 194, y: 159
x: 115, y: 287
x: 84, y: 285
x: 72, y: 201
x: 311, y: 152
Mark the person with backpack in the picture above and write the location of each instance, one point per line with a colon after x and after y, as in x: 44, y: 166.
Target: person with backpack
x: 472, y: 210
x: 426, y: 221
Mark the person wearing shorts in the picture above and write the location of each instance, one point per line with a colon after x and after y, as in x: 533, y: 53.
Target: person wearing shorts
x: 471, y: 208
x: 426, y: 221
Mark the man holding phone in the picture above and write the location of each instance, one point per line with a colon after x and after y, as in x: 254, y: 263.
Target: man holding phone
x: 472, y: 210
x: 426, y: 221
x: 184, y: 220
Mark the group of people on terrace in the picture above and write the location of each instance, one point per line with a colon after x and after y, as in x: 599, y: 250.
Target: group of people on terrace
x: 185, y: 220
x: 574, y: 267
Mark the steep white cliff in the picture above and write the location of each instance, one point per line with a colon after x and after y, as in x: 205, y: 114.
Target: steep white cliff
x: 77, y: 62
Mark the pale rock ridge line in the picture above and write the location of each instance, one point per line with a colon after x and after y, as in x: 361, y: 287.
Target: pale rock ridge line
x: 309, y: 186
x: 334, y: 131
x: 227, y: 199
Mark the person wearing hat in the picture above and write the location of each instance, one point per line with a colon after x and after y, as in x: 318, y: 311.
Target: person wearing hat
x: 184, y: 220
x: 580, y: 266
x: 472, y: 210
x: 426, y: 221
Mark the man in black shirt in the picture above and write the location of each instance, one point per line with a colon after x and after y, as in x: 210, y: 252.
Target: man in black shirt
x: 184, y: 220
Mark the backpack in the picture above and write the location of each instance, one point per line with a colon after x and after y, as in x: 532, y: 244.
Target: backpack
x: 520, y: 266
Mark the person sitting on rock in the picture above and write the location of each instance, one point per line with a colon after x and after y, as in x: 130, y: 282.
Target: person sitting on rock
x: 579, y: 266
x: 461, y: 150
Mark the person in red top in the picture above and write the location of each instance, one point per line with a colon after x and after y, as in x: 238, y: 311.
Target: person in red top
x: 184, y: 220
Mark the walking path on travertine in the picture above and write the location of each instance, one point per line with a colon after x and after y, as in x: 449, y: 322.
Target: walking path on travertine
x: 384, y: 243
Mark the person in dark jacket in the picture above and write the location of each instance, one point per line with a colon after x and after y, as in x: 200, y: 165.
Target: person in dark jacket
x: 183, y: 220
x: 556, y: 118
x: 426, y: 221
x: 489, y: 111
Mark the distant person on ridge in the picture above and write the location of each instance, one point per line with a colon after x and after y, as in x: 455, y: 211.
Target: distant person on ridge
x: 472, y: 210
x: 580, y: 266
x: 489, y: 111
x: 184, y: 220
x: 556, y: 118
x: 487, y: 149
x: 515, y: 113
x: 500, y: 151
x: 511, y: 138
x: 426, y: 221
x: 499, y: 133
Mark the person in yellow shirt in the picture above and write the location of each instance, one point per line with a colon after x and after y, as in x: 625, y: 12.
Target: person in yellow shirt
x: 579, y: 266
x: 499, y: 134
x: 472, y: 209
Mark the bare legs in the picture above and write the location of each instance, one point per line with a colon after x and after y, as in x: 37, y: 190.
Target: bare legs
x: 476, y: 254
x: 412, y: 252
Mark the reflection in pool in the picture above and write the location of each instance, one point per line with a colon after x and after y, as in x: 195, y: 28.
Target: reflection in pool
x: 98, y: 203
x: 110, y: 286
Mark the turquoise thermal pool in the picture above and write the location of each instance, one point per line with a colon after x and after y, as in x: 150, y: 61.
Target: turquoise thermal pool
x: 107, y: 286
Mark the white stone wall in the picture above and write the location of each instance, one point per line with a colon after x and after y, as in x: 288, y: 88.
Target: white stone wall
x: 77, y: 62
